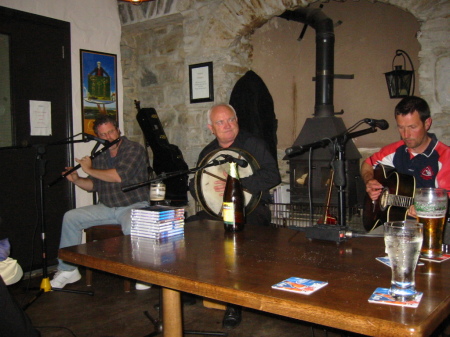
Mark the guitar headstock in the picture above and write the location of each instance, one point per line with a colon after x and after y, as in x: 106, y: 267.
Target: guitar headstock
x: 138, y: 105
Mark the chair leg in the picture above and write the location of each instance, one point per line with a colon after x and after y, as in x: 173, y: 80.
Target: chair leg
x: 127, y: 285
x: 126, y: 282
x: 88, y: 277
x: 99, y: 233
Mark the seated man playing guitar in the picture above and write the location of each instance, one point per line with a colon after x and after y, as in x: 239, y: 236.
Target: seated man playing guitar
x: 418, y: 153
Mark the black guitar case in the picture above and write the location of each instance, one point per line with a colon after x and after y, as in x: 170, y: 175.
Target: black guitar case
x: 167, y: 157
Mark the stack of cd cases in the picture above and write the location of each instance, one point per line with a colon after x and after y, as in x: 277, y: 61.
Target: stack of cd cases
x: 157, y: 222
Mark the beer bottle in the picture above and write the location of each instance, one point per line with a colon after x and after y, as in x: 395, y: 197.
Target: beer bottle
x: 233, y: 210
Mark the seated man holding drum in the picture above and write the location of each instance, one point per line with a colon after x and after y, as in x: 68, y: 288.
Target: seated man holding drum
x: 223, y: 123
x: 418, y: 153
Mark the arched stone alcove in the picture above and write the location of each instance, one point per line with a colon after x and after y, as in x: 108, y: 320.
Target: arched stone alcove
x: 162, y: 38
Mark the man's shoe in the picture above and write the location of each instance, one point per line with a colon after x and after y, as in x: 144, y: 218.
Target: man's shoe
x: 143, y: 286
x: 232, y: 317
x: 62, y: 278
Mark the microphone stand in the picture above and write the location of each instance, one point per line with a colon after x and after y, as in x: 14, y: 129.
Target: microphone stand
x: 164, y: 175
x: 41, y: 162
x: 94, y: 149
x: 338, y: 164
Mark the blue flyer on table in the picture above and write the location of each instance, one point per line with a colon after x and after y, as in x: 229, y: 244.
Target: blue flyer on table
x: 300, y: 285
x: 385, y: 260
x: 381, y: 296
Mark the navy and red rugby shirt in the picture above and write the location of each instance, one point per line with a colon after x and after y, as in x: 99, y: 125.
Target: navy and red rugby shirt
x: 430, y: 168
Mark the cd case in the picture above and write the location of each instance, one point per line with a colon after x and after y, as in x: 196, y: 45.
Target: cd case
x: 385, y: 260
x: 443, y: 258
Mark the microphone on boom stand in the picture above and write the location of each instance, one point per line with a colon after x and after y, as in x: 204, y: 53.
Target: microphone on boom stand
x: 107, y: 145
x: 381, y: 124
x: 163, y: 176
x: 91, y: 137
x: 240, y: 162
x: 45, y: 285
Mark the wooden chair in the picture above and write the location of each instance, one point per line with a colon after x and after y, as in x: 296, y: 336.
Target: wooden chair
x: 100, y: 233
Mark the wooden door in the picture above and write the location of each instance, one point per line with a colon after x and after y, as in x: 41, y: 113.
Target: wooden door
x: 40, y: 70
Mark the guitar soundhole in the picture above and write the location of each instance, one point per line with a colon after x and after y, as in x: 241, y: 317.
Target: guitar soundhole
x: 384, y: 199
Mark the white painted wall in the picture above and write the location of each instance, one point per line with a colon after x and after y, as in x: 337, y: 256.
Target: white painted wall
x: 94, y: 25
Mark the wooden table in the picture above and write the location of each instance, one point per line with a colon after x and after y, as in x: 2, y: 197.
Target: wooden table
x: 241, y: 269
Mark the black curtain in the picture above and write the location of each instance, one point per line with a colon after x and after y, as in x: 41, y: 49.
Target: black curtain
x: 254, y: 107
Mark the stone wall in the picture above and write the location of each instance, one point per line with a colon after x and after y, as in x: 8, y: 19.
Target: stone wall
x: 161, y: 39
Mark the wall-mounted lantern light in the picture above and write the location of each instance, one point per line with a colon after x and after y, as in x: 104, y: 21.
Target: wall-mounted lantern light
x: 135, y: 2
x: 400, y: 82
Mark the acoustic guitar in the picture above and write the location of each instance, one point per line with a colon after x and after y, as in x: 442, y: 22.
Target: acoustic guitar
x: 393, y: 203
x: 327, y: 218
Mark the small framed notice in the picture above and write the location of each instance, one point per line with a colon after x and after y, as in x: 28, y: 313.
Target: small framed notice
x: 41, y: 118
x: 201, y: 84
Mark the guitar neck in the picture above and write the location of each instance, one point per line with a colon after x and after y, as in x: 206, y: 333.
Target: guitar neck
x: 399, y: 200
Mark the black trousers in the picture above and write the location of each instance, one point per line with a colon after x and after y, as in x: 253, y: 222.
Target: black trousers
x: 13, y: 320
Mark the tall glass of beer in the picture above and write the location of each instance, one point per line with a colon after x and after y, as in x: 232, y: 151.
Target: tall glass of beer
x: 431, y: 208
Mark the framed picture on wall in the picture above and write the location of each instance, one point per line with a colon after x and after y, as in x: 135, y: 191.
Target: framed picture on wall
x: 98, y: 87
x: 201, y: 84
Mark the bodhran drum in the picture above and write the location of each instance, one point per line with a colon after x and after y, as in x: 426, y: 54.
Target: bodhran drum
x: 210, y: 200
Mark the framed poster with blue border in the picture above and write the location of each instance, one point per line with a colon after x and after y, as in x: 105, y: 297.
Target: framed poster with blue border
x: 98, y: 87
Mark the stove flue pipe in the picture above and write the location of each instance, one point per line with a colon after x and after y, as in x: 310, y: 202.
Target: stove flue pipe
x: 324, y: 28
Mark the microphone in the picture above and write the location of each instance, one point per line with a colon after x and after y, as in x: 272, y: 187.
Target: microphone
x: 240, y: 162
x: 91, y: 137
x: 293, y: 149
x: 382, y: 124
x: 333, y: 233
x: 297, y: 149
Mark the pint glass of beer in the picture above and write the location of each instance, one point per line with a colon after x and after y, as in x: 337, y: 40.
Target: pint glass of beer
x: 431, y: 208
